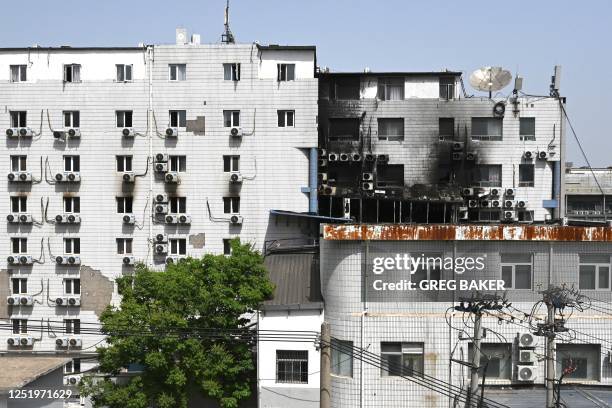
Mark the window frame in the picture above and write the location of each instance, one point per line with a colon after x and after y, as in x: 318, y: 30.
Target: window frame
x: 176, y: 204
x: 403, y: 353
x: 385, y: 84
x: 177, y: 246
x: 21, y: 73
x: 72, y: 204
x: 488, y: 182
x: 488, y: 137
x: 73, y: 367
x: 295, y: 367
x: 597, y: 271
x: 231, y: 118
x: 20, y: 244
x: 177, y: 163
x: 391, y: 137
x: 69, y: 73
x: 122, y: 117
x: 285, y: 72
x: 72, y: 246
x: 20, y: 326
x: 72, y: 326
x: 513, y: 270
x: 177, y: 118
x: 342, y: 351
x: 283, y: 118
x: 446, y: 86
x: 227, y: 246
x: 19, y: 286
x: 125, y: 245
x: 19, y: 204
x: 123, y: 203
x: 124, y: 69
x: 18, y: 162
x: 233, y: 69
x: 523, y: 166
x: 124, y: 163
x: 177, y: 74
x: 72, y: 286
x: 231, y: 163
x: 72, y: 163
x: 531, y: 137
x: 232, y: 203
x: 19, y: 119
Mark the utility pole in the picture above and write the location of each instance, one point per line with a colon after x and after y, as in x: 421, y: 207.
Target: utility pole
x: 550, y: 357
x: 475, y: 363
x: 325, y: 371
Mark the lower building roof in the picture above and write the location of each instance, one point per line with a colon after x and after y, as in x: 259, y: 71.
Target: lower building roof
x: 19, y: 371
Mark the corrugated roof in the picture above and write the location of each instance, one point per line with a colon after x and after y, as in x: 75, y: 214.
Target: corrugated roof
x: 19, y: 371
x: 296, y: 276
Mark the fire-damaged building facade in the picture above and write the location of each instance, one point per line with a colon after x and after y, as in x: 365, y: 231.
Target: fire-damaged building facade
x: 413, y: 147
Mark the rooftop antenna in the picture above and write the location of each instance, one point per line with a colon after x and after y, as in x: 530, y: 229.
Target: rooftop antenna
x: 490, y: 79
x: 227, y: 37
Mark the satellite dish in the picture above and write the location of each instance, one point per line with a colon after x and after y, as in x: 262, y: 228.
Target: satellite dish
x: 490, y: 79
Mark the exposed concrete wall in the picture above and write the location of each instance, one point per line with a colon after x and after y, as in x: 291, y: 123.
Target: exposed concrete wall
x: 5, y: 290
x: 96, y: 290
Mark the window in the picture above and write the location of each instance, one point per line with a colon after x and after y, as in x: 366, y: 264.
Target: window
x: 227, y: 246
x: 72, y: 326
x: 231, y: 118
x: 72, y: 119
x: 124, y: 163
x: 178, y: 72
x: 488, y: 215
x: 390, y: 175
x: 286, y: 118
x: 527, y: 128
x: 124, y: 119
x: 446, y: 128
x: 292, y: 366
x: 231, y: 163
x: 72, y: 73
x: 344, y: 129
x: 286, y: 72
x: 342, y: 357
x: 73, y: 367
x: 19, y: 73
x: 20, y: 286
x: 594, y: 272
x: 20, y: 326
x: 231, y: 205
x: 526, y: 175
x: 488, y: 175
x: 391, y: 129
x: 496, y: 357
x: 346, y: 88
x: 72, y: 286
x: 72, y: 245
x: 124, y: 205
x: 447, y: 87
x: 487, y: 129
x: 178, y: 163
x: 586, y: 358
x: 391, y: 89
x: 178, y: 205
x: 18, y: 163
x: 178, y: 246
x: 19, y: 245
x: 19, y: 119
x: 72, y: 205
x: 401, y: 359
x: 124, y: 72
x: 124, y: 246
x: 19, y: 204
x: 72, y: 163
x: 429, y: 270
x: 231, y: 72
x: 178, y: 118
x: 516, y: 271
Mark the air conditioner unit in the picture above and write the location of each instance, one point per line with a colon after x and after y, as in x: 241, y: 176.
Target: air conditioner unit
x: 25, y: 132
x: 74, y: 301
x: 322, y: 152
x: 472, y: 203
x: 72, y: 380
x: 236, y: 219
x: 59, y: 134
x: 527, y: 340
x: 326, y: 189
x: 322, y: 178
x: 367, y: 176
x: 174, y: 259
x: 344, y: 157
x: 19, y: 218
x: 68, y: 260
x: 509, y: 215
x: 73, y: 132
x: 458, y: 146
x: 161, y: 198
x: 527, y: 356
x: 161, y: 249
x: 20, y: 260
x: 495, y: 203
x: 12, y: 132
x: 528, y: 155
x: 509, y: 192
x: 356, y: 157
x: 129, y: 219
x: 75, y: 342
x: 127, y: 132
x: 236, y: 131
x: 467, y: 192
x: 171, y: 219
x: 68, y: 219
x: 370, y: 157
x: 322, y: 162
x: 172, y: 132
x: 235, y: 178
x: 332, y: 157
x: 62, y: 342
x: 525, y: 373
x: 25, y: 341
x: 542, y: 155
x: 367, y: 186
x: 13, y: 341
x: 68, y: 177
x: 161, y: 209
x: 61, y: 301
x: 172, y: 177
x: 20, y: 177
x: 161, y: 167
x: 160, y: 238
x: 485, y: 203
x: 508, y: 203
x: 521, y: 204
x: 161, y: 157
x: 12, y: 300
x: 471, y: 156
x: 383, y: 158
x: 184, y: 219
x: 129, y: 260
x: 128, y: 177
x: 494, y: 192
x: 457, y: 156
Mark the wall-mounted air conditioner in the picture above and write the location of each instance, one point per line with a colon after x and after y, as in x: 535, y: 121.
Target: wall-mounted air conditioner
x: 72, y: 380
x: 494, y: 192
x: 59, y: 135
x: 127, y: 132
x: 73, y: 133
x: 161, y: 198
x: 527, y: 356
x: 74, y: 301
x: 509, y: 192
x: 129, y: 219
x: 236, y: 131
x: 528, y: 155
x: 68, y: 177
x: 128, y: 177
x: 467, y: 192
x: 495, y: 203
x: 128, y: 260
x: 521, y: 204
x: 16, y: 132
x: 457, y: 156
x: 322, y: 162
x: 332, y: 157
x: 61, y: 301
x: 20, y: 341
x: 472, y: 203
x: 20, y: 218
x: 471, y: 156
x: 367, y: 186
x: 525, y: 373
x: 367, y: 176
x: 20, y: 260
x: 161, y: 209
x: 68, y: 260
x: 485, y: 203
x: 62, y: 342
x: 344, y: 157
x: 19, y: 300
x: 161, y: 249
x: 20, y: 177
x: 356, y: 157
x: 161, y: 158
x: 161, y: 238
x: 382, y: 158
x: 542, y: 155
x: 172, y: 132
x: 68, y: 219
x: 160, y: 167
x: 236, y: 219
x: 457, y: 146
x: 508, y: 204
x: 12, y: 132
x: 509, y: 215
x: 322, y: 178
x: 75, y: 342
x: 235, y: 178
x: 527, y: 340
x: 326, y: 189
x: 171, y: 178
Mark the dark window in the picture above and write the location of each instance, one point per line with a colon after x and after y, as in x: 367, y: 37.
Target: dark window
x: 72, y: 245
x: 286, y: 118
x: 342, y: 357
x: 19, y: 119
x: 446, y: 128
x: 178, y: 205
x: 526, y: 175
x: 292, y: 366
x: 124, y: 246
x: 72, y: 119
x: 527, y: 128
x: 447, y: 87
x: 390, y: 175
x: 19, y: 204
x: 72, y: 326
x: 286, y: 72
x: 231, y: 205
x: 401, y: 359
x: 178, y: 246
x: 20, y: 286
x: 124, y: 72
x: 124, y: 163
x: 124, y: 205
x: 124, y: 119
x: 72, y: 73
x: 231, y: 163
x: 72, y: 163
x: 584, y: 358
x: 177, y: 72
x: 178, y: 118
x: 391, y: 129
x: 19, y: 163
x: 391, y: 89
x: 231, y: 72
x: 227, y: 246
x: 487, y: 128
x: 344, y: 128
x: 346, y: 88
x: 178, y: 163
x: 19, y: 73
x: 488, y: 175
x: 231, y: 118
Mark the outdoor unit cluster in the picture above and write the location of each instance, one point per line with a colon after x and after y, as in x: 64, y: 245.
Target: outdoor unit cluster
x: 20, y: 341
x: 68, y: 177
x: 540, y: 155
x: 527, y: 358
x: 327, y: 185
x: 160, y: 203
x: 160, y: 165
x: 19, y: 132
x: 19, y: 218
x: 495, y: 198
x: 71, y: 133
x: 19, y: 177
x: 459, y: 153
x: 160, y: 247
x: 20, y: 260
x: 65, y: 342
x: 19, y: 300
x: 70, y: 260
x: 68, y: 301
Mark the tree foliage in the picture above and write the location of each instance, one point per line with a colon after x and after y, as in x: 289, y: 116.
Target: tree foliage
x: 174, y: 324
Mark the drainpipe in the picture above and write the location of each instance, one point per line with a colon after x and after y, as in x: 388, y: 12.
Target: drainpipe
x: 313, y: 180
x: 150, y: 133
x: 556, y: 189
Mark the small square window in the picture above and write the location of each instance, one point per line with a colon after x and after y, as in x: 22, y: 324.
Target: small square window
x: 231, y: 72
x: 124, y: 72
x: 124, y: 119
x: 526, y: 175
x: 286, y: 118
x: 527, y: 128
x: 72, y: 119
x: 72, y: 73
x: 19, y: 73
x: 231, y: 205
x: 177, y: 72
x: 286, y: 72
x: 231, y: 164
x: 19, y: 119
x: 231, y: 118
x: 124, y: 205
x: 178, y: 118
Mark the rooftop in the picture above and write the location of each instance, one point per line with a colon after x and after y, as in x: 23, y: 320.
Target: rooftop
x: 19, y: 371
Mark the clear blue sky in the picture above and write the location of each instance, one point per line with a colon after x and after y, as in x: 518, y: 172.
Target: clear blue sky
x: 532, y: 36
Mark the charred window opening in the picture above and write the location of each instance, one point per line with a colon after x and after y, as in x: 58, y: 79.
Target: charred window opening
x: 370, y: 211
x: 487, y: 215
x: 446, y: 128
x: 447, y: 87
x: 487, y: 128
x: 342, y: 176
x: 391, y: 89
x: 588, y: 205
x: 526, y: 175
x: 487, y: 175
x: 391, y: 129
x: 527, y: 128
x: 390, y: 175
x: 344, y: 129
x: 345, y: 88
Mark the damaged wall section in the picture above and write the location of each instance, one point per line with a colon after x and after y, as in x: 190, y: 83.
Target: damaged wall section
x: 96, y: 290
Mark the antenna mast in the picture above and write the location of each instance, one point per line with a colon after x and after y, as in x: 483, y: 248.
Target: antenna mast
x: 227, y: 37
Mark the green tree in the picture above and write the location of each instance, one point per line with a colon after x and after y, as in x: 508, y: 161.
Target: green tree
x: 176, y: 324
